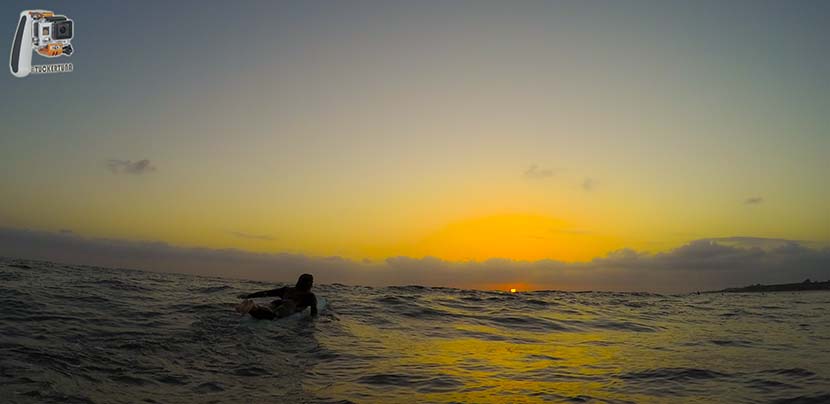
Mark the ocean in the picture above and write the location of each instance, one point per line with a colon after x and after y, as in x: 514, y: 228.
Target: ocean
x: 79, y: 334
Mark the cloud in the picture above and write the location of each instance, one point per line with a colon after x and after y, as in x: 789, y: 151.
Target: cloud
x: 130, y: 167
x: 753, y: 200
x: 758, y: 242
x: 249, y: 236
x: 588, y: 184
x: 704, y: 264
x: 536, y: 173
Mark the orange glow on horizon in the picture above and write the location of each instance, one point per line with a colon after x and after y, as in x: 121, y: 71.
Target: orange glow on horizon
x: 524, y: 237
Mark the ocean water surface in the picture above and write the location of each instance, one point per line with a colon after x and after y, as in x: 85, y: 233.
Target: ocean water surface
x: 78, y: 334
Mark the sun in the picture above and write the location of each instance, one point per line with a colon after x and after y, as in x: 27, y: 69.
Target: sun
x: 512, y: 290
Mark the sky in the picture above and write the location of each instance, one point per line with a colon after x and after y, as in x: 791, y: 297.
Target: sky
x: 429, y: 141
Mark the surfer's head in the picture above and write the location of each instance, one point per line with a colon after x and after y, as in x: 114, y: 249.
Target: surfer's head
x: 305, y: 282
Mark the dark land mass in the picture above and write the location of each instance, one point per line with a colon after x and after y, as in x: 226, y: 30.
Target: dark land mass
x: 784, y: 287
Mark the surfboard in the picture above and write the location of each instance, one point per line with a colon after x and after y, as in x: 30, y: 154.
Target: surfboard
x: 305, y: 313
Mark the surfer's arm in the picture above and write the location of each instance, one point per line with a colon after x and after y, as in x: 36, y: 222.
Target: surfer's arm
x: 279, y: 292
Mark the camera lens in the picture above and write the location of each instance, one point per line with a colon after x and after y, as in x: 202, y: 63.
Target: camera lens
x: 62, y: 30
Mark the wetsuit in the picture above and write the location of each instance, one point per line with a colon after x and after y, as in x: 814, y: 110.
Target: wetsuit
x: 291, y: 301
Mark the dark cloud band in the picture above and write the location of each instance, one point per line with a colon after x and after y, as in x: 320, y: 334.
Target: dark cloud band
x: 699, y: 265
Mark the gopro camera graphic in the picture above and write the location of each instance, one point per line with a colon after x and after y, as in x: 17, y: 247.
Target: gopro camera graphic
x: 42, y: 31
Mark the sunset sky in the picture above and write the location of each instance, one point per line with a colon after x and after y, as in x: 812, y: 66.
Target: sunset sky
x: 556, y: 131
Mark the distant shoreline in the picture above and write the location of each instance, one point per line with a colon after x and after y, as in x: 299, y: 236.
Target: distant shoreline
x: 807, y: 285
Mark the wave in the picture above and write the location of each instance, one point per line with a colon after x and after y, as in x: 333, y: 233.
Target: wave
x: 87, y: 334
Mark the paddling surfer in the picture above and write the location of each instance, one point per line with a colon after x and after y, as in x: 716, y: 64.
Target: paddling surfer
x: 291, y: 300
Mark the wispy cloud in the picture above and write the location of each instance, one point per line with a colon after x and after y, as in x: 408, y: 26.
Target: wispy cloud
x: 588, y: 184
x: 534, y: 172
x: 250, y: 236
x: 757, y: 242
x: 698, y: 265
x: 130, y: 167
x: 753, y: 200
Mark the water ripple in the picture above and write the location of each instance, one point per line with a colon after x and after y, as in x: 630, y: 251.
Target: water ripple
x: 77, y: 334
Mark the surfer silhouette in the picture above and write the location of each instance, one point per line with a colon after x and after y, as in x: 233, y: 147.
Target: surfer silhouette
x: 291, y: 300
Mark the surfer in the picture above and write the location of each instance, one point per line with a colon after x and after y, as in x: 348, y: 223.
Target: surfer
x: 291, y: 300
